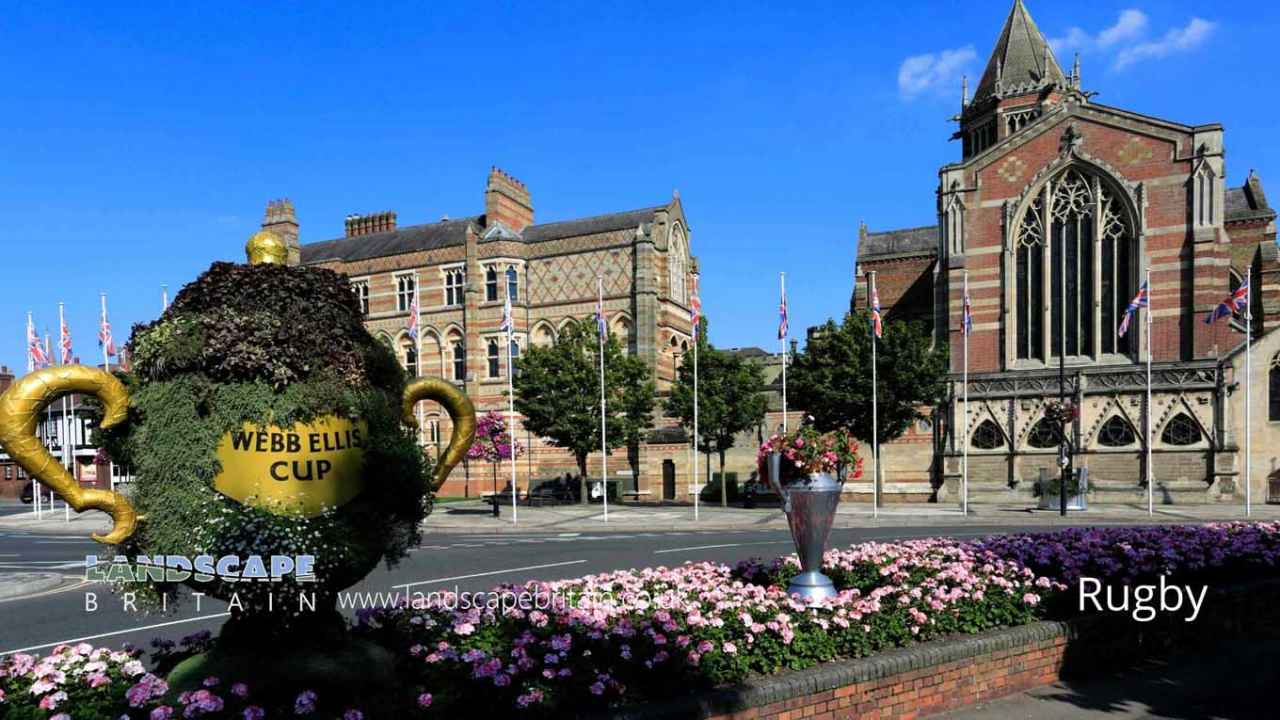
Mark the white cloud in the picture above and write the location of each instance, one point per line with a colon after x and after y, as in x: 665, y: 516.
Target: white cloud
x: 1075, y: 39
x: 1174, y: 41
x: 1130, y: 25
x: 934, y: 72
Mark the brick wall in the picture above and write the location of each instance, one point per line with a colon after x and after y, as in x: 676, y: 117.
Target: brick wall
x: 944, y: 675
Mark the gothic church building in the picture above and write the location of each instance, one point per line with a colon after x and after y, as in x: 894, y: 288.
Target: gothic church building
x: 1056, y: 212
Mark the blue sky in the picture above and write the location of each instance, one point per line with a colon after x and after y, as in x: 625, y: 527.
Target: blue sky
x: 142, y: 142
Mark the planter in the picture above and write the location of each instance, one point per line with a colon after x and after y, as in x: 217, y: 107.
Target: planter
x: 810, y: 506
x: 1078, y: 500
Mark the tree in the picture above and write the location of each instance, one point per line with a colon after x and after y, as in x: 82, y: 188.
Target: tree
x: 729, y: 400
x: 494, y: 444
x: 831, y: 379
x: 558, y: 392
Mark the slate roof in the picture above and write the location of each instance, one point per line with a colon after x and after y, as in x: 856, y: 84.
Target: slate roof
x: 410, y: 238
x: 447, y: 233
x: 1248, y: 202
x: 589, y: 225
x: 1020, y: 53
x: 906, y: 241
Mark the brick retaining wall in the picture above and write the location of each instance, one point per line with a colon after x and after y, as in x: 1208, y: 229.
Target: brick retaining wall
x: 947, y: 674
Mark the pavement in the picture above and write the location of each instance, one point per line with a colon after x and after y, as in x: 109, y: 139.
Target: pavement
x: 475, y: 517
x: 464, y: 549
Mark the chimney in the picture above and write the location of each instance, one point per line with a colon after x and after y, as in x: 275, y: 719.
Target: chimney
x: 506, y: 200
x: 281, y: 220
x: 6, y: 378
x: 359, y: 225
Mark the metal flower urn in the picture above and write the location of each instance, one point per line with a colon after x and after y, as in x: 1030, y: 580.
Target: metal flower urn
x: 810, y: 506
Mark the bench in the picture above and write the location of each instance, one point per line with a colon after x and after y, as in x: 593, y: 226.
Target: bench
x: 636, y: 495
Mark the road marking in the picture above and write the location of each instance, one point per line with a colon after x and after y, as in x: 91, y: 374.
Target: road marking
x: 726, y: 545
x: 484, y: 574
x: 118, y: 632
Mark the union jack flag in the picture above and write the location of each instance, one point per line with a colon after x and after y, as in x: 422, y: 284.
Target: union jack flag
x: 413, y: 312
x: 695, y: 304
x: 601, y: 327
x: 877, y: 324
x: 38, y: 354
x: 104, y: 336
x: 1141, y: 300
x: 782, y: 318
x: 967, y: 329
x: 507, y: 323
x: 1235, y: 302
x: 64, y: 342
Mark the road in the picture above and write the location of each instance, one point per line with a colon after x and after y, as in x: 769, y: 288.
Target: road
x: 464, y: 562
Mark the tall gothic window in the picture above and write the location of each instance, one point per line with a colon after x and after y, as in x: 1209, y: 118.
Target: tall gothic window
x: 676, y: 269
x: 1075, y: 241
x: 513, y: 284
x: 404, y: 292
x: 491, y: 284
x: 453, y: 280
x: 495, y: 365
x: 1273, y: 390
x: 410, y: 357
x: 459, y: 361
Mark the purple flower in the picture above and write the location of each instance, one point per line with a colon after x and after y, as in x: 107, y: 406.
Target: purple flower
x: 164, y: 712
x: 253, y: 712
x: 240, y: 690
x: 353, y: 714
x: 305, y: 704
x: 424, y: 700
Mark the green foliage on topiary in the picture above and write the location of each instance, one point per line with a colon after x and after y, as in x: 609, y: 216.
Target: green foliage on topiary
x: 268, y: 345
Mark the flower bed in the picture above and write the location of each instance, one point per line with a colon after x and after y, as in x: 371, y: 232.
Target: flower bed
x: 632, y: 636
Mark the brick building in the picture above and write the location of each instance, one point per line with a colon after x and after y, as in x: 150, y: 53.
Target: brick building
x: 1056, y: 212
x: 464, y: 269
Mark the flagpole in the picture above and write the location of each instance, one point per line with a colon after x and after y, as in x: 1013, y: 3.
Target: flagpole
x: 417, y: 354
x: 875, y: 414
x: 693, y: 449
x: 511, y: 408
x: 31, y: 366
x: 66, y: 420
x: 964, y: 464
x: 1151, y: 472
x: 106, y: 366
x: 782, y: 281
x: 604, y: 445
x: 1248, y: 405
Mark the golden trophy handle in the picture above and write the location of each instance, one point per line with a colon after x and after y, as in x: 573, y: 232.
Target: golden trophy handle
x: 20, y: 408
x: 461, y: 412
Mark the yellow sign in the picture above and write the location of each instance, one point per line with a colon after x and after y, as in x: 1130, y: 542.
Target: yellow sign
x: 301, y: 470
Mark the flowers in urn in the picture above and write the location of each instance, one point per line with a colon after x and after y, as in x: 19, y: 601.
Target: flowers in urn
x: 807, y: 451
x: 493, y: 443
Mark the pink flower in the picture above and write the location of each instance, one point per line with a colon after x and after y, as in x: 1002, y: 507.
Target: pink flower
x: 424, y: 700
x: 730, y: 648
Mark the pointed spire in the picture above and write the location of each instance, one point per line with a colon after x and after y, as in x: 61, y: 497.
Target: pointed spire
x: 1075, y: 72
x: 964, y: 92
x: 1021, y: 58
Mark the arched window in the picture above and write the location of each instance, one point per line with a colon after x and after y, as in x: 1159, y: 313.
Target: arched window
x: 1181, y: 430
x: 410, y: 352
x: 676, y: 267
x: 1076, y: 231
x: 1044, y: 435
x: 513, y: 284
x: 491, y: 284
x: 1116, y: 432
x: 987, y: 436
x: 1273, y: 390
x: 544, y: 336
x: 622, y: 328
x: 433, y: 429
x: 459, y: 360
x: 495, y: 363
x: 515, y: 354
